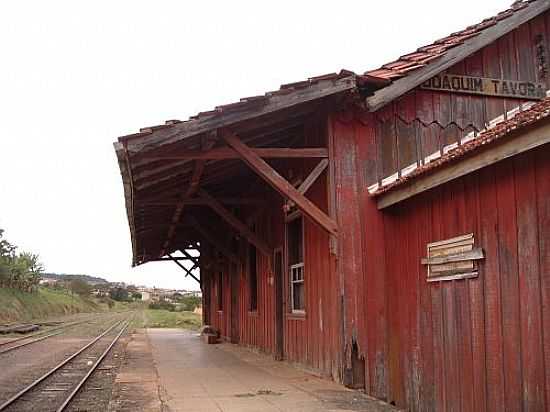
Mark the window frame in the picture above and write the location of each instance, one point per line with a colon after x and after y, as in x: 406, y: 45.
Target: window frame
x: 252, y: 309
x: 290, y: 219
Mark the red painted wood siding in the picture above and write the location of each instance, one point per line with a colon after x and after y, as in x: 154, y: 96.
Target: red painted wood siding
x: 466, y: 345
x: 313, y: 339
x: 422, y: 122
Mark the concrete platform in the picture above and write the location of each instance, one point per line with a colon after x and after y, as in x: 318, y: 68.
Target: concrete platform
x: 194, y: 376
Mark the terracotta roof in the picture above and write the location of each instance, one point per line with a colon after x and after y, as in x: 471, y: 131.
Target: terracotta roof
x: 499, y: 131
x: 424, y: 55
x: 252, y: 103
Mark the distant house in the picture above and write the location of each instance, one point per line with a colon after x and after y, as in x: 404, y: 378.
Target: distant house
x: 47, y: 281
x: 145, y: 296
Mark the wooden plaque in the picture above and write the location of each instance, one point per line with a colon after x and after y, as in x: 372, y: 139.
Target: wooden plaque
x: 485, y: 86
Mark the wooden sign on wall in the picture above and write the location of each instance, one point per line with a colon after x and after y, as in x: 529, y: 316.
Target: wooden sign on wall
x: 485, y: 86
x: 452, y: 259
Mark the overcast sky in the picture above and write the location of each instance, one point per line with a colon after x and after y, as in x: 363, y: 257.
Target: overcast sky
x: 75, y: 75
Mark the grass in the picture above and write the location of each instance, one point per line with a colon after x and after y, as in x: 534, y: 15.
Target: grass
x: 158, y: 318
x: 17, y: 306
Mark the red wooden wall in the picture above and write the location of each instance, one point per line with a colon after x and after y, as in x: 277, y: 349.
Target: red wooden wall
x: 422, y: 122
x: 314, y: 339
x: 469, y: 345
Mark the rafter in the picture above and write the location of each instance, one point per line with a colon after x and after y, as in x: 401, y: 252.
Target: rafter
x: 311, y: 178
x: 279, y: 183
x: 187, y: 271
x: 221, y: 153
x: 233, y: 221
x: 213, y: 240
x: 191, y: 190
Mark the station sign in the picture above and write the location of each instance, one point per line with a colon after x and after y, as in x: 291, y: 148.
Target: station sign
x: 486, y: 86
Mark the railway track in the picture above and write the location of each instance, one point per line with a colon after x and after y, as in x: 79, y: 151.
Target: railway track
x: 23, y: 341
x: 55, y: 389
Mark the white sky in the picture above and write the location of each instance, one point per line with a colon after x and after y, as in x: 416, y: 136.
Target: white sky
x: 75, y: 75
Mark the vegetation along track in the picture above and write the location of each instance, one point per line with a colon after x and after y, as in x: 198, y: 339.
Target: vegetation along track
x: 55, y: 389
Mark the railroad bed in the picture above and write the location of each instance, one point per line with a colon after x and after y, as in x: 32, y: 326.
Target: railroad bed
x: 55, y: 389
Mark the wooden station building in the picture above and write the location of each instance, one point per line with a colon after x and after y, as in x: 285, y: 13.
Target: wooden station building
x: 390, y: 230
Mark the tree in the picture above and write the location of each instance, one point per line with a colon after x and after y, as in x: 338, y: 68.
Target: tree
x: 119, y: 294
x: 22, y: 271
x: 80, y: 287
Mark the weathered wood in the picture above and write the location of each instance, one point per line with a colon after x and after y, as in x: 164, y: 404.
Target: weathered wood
x: 474, y: 254
x: 213, y: 240
x: 511, y: 146
x: 178, y: 258
x: 222, y: 153
x: 456, y: 83
x: 188, y: 271
x: 236, y: 223
x: 191, y: 190
x: 455, y: 55
x: 280, y: 184
x: 311, y: 178
x: 275, y: 103
x: 235, y: 201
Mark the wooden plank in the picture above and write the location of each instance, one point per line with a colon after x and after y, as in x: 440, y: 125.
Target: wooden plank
x: 280, y: 184
x: 542, y: 175
x: 187, y: 271
x: 476, y: 293
x: 455, y: 55
x: 489, y: 273
x: 213, y: 240
x: 222, y: 153
x: 532, y: 356
x: 274, y: 103
x: 509, y: 284
x: 520, y: 142
x: 236, y: 223
x: 191, y: 190
x: 311, y: 178
x: 234, y: 201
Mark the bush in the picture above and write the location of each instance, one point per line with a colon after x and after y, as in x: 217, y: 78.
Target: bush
x: 162, y: 305
x: 80, y: 287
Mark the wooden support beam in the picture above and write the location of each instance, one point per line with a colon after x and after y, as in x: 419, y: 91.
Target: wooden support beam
x: 171, y: 258
x: 201, y: 202
x: 311, y: 178
x: 195, y: 259
x: 221, y: 153
x: 518, y: 142
x: 191, y: 190
x: 279, y: 183
x: 185, y: 269
x: 213, y: 240
x: 236, y: 223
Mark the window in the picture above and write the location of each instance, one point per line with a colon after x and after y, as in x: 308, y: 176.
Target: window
x: 252, y: 278
x: 220, y: 291
x: 296, y: 262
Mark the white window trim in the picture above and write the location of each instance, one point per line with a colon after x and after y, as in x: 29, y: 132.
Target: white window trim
x: 294, y: 282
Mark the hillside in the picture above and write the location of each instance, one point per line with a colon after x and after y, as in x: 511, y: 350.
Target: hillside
x: 92, y: 280
x: 22, y: 306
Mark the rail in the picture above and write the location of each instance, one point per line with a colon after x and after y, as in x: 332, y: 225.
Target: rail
x: 67, y: 400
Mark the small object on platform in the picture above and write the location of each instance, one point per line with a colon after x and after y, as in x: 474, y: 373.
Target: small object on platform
x: 209, y: 334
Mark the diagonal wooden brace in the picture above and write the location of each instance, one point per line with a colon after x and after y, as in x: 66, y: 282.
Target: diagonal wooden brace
x: 279, y: 183
x: 236, y: 223
x: 185, y: 269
